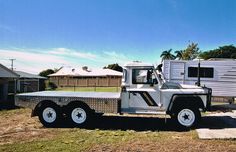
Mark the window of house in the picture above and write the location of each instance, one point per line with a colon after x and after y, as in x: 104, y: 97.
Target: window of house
x: 142, y: 76
x: 205, y: 72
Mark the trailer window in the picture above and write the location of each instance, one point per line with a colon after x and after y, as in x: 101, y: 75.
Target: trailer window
x: 205, y: 72
x: 142, y: 76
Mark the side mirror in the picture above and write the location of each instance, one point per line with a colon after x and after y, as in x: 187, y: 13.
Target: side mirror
x: 154, y: 81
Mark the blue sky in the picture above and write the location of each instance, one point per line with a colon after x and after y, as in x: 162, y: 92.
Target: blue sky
x: 51, y: 33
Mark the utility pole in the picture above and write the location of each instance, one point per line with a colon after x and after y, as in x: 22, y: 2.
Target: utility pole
x: 12, y: 63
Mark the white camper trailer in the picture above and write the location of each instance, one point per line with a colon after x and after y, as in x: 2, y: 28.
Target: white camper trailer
x: 218, y: 74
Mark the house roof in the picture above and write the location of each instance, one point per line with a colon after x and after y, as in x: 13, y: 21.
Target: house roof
x: 7, y: 73
x: 69, y: 71
x: 28, y: 75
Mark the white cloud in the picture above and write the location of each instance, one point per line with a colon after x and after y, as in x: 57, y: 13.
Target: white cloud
x: 113, y: 57
x: 36, y: 60
x: 59, y: 51
x: 31, y: 56
x: 31, y: 61
x: 73, y: 53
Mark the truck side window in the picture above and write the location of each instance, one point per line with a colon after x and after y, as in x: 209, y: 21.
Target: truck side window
x: 142, y: 76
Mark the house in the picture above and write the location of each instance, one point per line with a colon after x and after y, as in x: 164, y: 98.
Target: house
x: 28, y: 82
x: 85, y: 77
x: 6, y: 75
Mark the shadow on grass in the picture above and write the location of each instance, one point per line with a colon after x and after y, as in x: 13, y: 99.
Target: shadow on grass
x: 151, y: 124
x: 217, y: 122
x: 128, y: 123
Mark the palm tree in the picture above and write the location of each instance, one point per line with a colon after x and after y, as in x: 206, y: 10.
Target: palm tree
x: 191, y: 52
x: 167, y: 55
x: 179, y: 54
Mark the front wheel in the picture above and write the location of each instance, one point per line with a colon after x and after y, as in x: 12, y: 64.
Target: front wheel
x: 187, y: 117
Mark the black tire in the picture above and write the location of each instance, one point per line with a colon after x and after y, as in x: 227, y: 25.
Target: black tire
x: 187, y: 117
x: 79, y: 115
x: 49, y: 115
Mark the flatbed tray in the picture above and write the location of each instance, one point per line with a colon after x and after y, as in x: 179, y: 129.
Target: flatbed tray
x: 107, y: 95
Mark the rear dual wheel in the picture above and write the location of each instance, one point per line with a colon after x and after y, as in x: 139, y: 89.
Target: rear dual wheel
x: 49, y: 115
x: 79, y: 115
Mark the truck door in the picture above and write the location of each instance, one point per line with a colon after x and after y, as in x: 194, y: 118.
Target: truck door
x: 144, y: 93
x: 177, y: 71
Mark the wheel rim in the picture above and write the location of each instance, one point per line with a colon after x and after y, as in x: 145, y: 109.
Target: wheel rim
x: 49, y: 115
x: 186, y: 117
x: 78, y: 115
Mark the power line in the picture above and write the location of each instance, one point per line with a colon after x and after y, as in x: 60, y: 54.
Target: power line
x: 12, y: 63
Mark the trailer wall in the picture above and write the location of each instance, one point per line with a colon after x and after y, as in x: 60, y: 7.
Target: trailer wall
x: 222, y: 82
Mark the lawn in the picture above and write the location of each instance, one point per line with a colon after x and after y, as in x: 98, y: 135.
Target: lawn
x: 20, y: 132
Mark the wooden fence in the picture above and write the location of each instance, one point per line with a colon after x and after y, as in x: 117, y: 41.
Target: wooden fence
x: 109, y: 81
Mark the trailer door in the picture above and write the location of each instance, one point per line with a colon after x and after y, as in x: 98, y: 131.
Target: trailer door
x: 177, y: 71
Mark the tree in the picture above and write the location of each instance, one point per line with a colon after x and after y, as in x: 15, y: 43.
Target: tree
x: 45, y: 73
x: 179, y: 54
x: 191, y: 52
x: 115, y: 67
x: 167, y: 55
x: 227, y: 51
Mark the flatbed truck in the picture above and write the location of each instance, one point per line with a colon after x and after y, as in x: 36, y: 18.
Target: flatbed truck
x: 143, y: 91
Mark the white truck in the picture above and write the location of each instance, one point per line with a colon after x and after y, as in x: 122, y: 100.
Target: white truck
x: 143, y: 92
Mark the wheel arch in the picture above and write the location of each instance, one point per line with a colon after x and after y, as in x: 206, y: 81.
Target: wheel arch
x: 178, y: 101
x: 77, y: 102
x: 36, y: 110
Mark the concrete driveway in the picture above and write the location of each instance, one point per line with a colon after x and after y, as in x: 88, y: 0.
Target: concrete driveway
x: 219, y: 124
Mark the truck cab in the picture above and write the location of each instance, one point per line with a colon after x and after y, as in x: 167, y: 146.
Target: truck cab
x: 140, y: 88
x: 145, y: 91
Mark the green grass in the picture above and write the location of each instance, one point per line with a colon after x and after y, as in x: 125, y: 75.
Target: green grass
x: 76, y: 139
x: 89, y: 89
x: 81, y: 140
